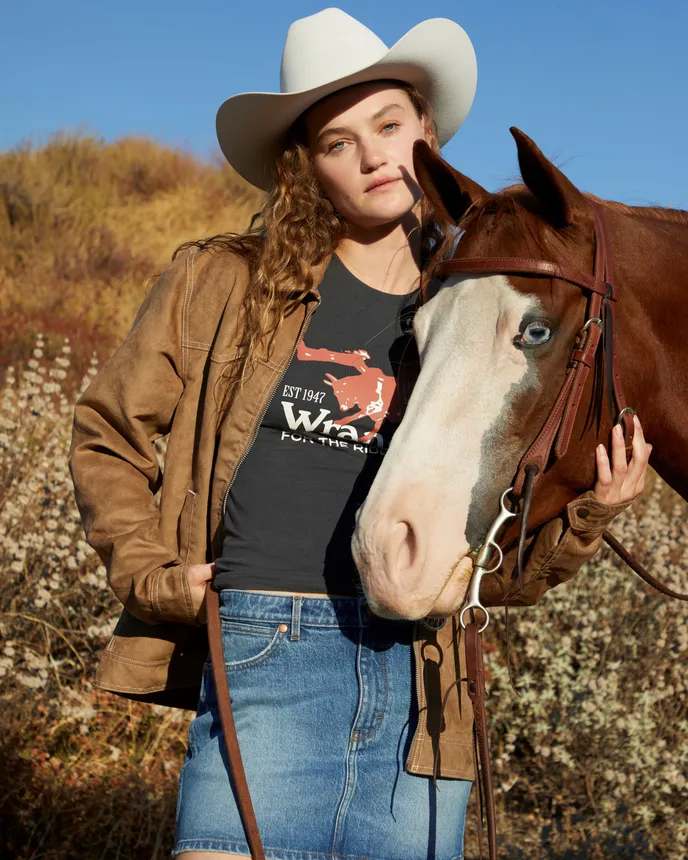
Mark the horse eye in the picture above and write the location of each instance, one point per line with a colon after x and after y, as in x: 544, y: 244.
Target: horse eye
x: 536, y: 333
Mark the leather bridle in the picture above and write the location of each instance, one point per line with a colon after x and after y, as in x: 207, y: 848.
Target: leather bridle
x: 551, y: 444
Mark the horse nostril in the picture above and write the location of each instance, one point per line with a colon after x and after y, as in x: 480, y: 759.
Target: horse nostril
x: 404, y: 545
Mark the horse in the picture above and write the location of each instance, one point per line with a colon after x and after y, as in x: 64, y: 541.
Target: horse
x: 494, y: 349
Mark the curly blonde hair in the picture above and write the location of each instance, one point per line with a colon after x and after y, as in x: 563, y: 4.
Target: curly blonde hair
x: 297, y: 228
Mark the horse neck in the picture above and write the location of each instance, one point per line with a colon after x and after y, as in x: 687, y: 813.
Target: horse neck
x: 650, y: 262
x: 647, y: 248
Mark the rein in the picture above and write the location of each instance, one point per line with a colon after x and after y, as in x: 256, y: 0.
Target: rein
x: 554, y: 440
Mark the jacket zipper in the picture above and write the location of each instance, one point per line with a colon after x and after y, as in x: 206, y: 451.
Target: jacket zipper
x: 304, y: 323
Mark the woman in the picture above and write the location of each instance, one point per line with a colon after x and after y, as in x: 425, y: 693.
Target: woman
x: 258, y: 350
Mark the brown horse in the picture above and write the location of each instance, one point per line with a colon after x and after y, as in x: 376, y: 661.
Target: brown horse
x: 494, y: 349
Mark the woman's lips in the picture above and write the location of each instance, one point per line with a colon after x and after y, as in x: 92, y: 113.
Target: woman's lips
x: 382, y: 186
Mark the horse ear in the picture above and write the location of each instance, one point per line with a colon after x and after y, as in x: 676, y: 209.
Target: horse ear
x: 450, y: 192
x: 329, y: 379
x: 558, y: 194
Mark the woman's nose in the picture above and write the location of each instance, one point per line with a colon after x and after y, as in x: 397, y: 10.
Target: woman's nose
x: 372, y: 158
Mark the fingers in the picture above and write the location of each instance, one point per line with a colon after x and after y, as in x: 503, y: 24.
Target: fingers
x: 199, y: 574
x: 621, y: 481
x: 619, y: 464
x: 604, y: 473
x: 639, y: 460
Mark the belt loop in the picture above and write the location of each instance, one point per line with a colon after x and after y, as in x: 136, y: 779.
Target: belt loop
x: 295, y: 617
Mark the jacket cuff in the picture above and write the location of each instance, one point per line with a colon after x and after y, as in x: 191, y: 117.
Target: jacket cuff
x: 163, y: 595
x: 587, y: 515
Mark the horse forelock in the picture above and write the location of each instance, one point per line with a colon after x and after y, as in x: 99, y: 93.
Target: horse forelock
x: 518, y: 216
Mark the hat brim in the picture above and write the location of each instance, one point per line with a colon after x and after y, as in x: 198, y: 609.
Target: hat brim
x: 436, y: 56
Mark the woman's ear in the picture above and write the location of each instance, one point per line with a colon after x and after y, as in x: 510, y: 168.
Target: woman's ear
x: 450, y: 192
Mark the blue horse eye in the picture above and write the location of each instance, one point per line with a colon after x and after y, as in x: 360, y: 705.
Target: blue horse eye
x: 536, y: 333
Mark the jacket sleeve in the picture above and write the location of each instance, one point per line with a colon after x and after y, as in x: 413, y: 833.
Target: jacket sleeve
x: 554, y: 554
x: 128, y: 405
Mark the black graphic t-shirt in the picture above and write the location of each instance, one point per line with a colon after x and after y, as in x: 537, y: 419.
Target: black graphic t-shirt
x: 290, y: 511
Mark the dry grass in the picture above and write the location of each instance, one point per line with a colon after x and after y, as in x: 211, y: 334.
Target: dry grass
x: 85, y: 224
x: 590, y: 760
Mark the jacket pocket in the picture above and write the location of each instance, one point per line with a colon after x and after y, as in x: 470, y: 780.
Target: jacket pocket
x: 185, y: 526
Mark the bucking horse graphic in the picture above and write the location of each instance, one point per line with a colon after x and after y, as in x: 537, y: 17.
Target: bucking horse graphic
x: 372, y: 390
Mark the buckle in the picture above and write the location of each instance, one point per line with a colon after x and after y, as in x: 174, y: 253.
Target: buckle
x: 621, y: 414
x: 588, y: 323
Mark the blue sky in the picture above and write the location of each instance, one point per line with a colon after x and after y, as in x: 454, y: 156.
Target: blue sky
x: 601, y: 85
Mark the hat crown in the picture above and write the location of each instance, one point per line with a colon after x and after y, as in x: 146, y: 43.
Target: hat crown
x: 325, y: 47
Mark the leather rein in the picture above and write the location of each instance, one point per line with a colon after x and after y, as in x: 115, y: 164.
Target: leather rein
x: 553, y: 440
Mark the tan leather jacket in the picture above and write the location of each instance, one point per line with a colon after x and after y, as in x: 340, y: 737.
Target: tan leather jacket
x: 166, y: 376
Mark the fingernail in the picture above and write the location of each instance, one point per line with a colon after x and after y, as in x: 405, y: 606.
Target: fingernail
x: 600, y: 447
x: 636, y: 421
x: 617, y: 429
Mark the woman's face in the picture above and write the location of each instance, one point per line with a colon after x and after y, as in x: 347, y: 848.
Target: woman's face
x: 361, y: 139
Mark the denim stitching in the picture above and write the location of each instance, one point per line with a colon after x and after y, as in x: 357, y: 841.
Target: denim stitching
x: 351, y: 758
x: 385, y: 700
x: 275, y: 646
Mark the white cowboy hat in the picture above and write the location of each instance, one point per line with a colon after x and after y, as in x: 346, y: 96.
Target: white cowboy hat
x: 331, y: 50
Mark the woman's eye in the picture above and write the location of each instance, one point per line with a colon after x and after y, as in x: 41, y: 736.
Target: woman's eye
x: 391, y: 125
x: 536, y: 333
x: 337, y: 146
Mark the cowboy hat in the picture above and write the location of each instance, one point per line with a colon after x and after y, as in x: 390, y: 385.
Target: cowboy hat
x: 330, y: 50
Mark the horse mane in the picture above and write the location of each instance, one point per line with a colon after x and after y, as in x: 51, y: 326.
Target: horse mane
x: 657, y: 213
x: 526, y: 221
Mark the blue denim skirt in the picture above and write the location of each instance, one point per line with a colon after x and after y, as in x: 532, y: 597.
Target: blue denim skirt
x: 324, y: 702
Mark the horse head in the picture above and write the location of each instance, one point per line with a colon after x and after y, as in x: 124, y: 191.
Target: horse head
x: 339, y: 387
x: 493, y: 351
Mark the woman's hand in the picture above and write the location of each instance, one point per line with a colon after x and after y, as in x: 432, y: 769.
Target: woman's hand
x: 198, y: 575
x: 621, y: 481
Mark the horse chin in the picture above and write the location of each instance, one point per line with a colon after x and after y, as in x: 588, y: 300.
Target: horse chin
x: 452, y: 595
x: 431, y: 603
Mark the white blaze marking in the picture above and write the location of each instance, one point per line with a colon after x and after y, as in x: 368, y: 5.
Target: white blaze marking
x: 470, y: 372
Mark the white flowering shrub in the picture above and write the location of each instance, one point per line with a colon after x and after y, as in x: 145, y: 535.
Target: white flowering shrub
x: 596, y: 742
x: 56, y: 606
x: 89, y: 772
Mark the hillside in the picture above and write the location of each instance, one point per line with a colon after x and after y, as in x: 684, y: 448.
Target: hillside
x: 84, y: 224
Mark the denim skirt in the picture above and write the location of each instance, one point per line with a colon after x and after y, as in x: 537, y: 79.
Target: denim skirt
x: 324, y: 703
